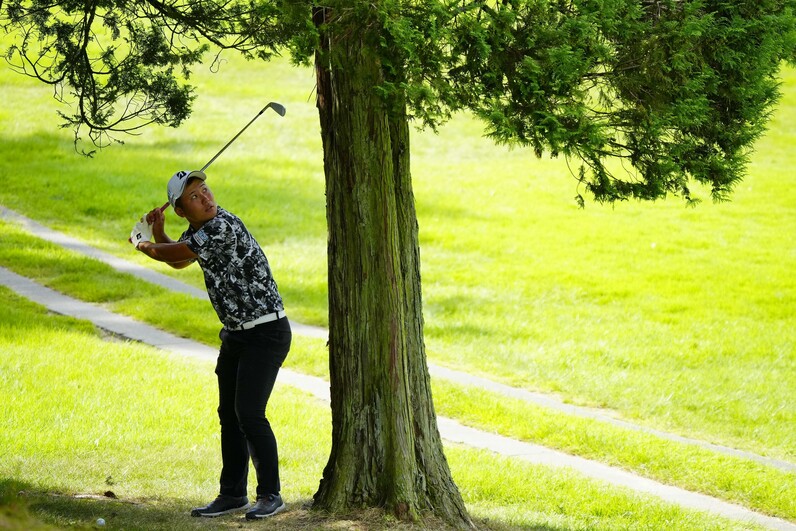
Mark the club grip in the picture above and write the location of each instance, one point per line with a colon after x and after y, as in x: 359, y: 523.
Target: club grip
x: 163, y: 208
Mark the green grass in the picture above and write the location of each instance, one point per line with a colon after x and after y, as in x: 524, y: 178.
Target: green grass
x: 141, y: 424
x: 678, y: 318
x: 690, y: 467
x: 702, y: 470
x: 675, y: 318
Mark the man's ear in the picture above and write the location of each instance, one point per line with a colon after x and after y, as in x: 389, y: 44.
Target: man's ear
x: 180, y: 212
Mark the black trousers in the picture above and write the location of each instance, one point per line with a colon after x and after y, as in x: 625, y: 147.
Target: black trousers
x: 248, y: 363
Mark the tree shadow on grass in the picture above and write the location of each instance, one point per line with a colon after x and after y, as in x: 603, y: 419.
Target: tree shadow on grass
x: 23, y: 506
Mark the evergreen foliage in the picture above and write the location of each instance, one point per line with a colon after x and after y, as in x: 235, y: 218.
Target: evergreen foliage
x: 674, y: 90
x: 644, y: 96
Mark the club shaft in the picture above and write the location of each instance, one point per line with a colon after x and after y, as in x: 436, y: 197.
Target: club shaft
x: 209, y: 162
x: 280, y: 110
x: 277, y: 107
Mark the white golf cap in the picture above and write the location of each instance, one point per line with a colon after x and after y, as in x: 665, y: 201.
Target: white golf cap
x: 179, y: 180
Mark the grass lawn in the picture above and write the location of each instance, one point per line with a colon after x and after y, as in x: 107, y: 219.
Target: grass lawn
x: 675, y: 318
x: 141, y: 424
x: 736, y: 479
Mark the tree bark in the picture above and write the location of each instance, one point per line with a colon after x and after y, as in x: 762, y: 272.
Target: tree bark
x: 386, y: 449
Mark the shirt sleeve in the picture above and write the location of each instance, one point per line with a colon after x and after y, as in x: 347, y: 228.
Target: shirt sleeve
x: 215, y: 238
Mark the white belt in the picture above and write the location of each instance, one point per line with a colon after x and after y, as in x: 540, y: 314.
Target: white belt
x: 267, y: 318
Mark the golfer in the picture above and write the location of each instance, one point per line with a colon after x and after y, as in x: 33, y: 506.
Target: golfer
x: 255, y: 338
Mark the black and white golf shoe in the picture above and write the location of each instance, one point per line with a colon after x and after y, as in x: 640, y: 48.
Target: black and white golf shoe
x: 265, y: 507
x: 222, y: 505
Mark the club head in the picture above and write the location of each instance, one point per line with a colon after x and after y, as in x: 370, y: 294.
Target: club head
x: 278, y: 107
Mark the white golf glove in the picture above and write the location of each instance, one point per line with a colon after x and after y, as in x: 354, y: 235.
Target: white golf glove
x: 142, y: 232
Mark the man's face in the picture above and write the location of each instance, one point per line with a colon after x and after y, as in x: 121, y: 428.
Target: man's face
x: 197, y: 204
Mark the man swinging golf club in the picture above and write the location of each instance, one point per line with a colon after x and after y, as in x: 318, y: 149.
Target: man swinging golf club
x: 255, y: 338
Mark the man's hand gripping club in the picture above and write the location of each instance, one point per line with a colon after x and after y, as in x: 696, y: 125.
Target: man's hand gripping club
x: 145, y: 230
x: 142, y: 232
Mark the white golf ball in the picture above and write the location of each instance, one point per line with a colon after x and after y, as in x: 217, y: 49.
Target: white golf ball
x: 100, y: 521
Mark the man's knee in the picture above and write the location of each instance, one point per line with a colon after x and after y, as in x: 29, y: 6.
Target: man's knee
x: 252, y: 421
x: 228, y: 416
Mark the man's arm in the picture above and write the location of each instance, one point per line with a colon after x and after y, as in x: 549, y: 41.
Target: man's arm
x: 177, y: 254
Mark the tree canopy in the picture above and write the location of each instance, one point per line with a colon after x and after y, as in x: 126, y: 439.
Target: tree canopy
x: 642, y: 97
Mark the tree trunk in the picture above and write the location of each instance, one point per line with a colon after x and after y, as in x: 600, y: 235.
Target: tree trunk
x: 386, y: 449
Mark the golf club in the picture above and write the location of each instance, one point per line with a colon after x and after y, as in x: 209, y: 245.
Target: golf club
x: 277, y: 107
